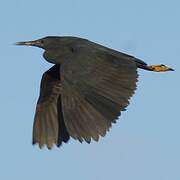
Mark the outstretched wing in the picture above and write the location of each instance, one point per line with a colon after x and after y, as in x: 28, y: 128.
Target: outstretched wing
x: 49, y: 125
x: 96, y: 86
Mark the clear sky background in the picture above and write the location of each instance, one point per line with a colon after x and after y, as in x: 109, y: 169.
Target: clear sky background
x: 145, y: 143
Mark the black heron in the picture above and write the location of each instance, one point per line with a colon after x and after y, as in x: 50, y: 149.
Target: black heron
x: 85, y: 91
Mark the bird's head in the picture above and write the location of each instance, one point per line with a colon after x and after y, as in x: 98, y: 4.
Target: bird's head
x: 44, y: 43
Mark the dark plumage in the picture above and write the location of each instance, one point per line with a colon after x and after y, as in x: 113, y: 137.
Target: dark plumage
x: 85, y: 91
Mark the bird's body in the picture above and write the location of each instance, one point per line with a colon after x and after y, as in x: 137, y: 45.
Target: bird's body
x: 85, y: 91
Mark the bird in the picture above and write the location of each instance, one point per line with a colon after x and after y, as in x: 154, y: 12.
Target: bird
x: 85, y: 91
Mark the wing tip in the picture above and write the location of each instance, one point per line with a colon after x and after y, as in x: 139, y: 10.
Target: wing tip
x: 49, y: 146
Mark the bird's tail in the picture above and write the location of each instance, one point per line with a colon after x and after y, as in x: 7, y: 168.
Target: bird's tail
x: 155, y: 68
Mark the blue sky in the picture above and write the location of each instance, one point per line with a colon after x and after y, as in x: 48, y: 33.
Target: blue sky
x: 144, y: 144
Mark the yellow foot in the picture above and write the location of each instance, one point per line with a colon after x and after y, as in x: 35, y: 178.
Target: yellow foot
x: 160, y: 68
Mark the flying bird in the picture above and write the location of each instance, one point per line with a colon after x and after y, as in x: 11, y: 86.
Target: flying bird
x: 85, y: 91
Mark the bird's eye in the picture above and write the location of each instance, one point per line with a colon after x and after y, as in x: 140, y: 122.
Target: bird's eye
x: 42, y: 41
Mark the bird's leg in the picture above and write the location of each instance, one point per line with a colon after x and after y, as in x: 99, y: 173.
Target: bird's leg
x: 156, y: 68
x: 159, y: 68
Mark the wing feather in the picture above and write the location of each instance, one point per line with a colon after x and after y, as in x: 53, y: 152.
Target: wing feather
x: 96, y: 87
x: 49, y: 127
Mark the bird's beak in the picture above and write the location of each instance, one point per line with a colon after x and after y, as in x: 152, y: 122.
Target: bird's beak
x: 29, y: 43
